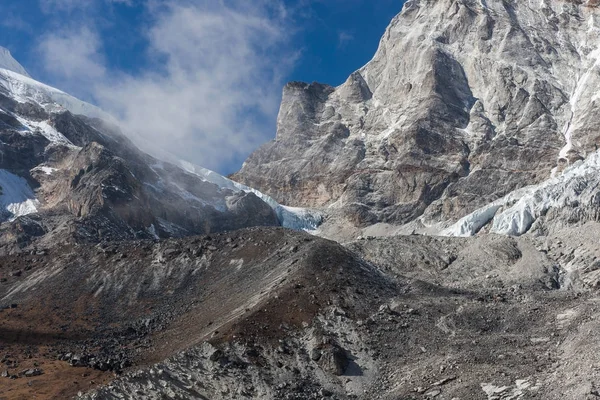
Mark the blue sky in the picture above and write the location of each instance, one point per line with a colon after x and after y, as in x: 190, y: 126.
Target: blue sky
x: 200, y: 79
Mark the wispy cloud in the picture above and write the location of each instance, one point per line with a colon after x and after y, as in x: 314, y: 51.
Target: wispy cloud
x: 344, y: 38
x: 212, y: 93
x: 13, y: 21
x: 75, y: 58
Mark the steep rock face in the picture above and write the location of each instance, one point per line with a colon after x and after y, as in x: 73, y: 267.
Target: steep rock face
x: 464, y: 102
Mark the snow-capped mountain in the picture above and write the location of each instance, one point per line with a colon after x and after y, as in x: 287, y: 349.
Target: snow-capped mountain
x: 464, y: 103
x: 64, y: 156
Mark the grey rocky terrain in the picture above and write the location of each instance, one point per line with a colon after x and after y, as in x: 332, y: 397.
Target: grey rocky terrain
x: 270, y: 313
x: 414, y: 317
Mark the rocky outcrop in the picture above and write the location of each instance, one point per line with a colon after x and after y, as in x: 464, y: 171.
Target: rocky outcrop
x: 464, y: 102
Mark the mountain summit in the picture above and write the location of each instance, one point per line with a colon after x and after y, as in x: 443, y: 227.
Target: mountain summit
x: 67, y: 172
x: 8, y: 62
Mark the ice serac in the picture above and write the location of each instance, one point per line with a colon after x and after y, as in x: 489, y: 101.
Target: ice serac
x: 572, y: 197
x: 8, y: 62
x: 463, y: 103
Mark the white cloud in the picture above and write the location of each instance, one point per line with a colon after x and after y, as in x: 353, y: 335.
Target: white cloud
x: 74, y: 57
x: 16, y: 22
x: 213, y: 93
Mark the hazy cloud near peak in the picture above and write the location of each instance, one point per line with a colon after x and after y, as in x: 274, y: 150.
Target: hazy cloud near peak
x: 344, y: 38
x: 213, y: 91
x: 74, y: 57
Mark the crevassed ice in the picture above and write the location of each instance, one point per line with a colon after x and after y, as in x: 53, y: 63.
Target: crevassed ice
x: 521, y: 208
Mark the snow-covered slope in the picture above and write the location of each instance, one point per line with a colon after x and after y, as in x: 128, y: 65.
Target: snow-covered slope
x: 8, y: 62
x: 23, y: 89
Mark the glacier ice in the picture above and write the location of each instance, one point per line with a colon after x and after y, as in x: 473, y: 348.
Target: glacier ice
x: 298, y: 218
x: 289, y: 217
x: 515, y: 213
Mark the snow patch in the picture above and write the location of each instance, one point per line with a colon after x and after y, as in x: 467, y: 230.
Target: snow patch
x: 16, y: 197
x: 48, y: 170
x: 45, y: 170
x: 47, y: 130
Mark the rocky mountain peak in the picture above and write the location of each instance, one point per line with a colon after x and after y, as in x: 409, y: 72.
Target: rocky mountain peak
x: 464, y: 102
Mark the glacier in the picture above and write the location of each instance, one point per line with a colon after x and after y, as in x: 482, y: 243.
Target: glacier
x: 514, y: 214
x: 289, y: 217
